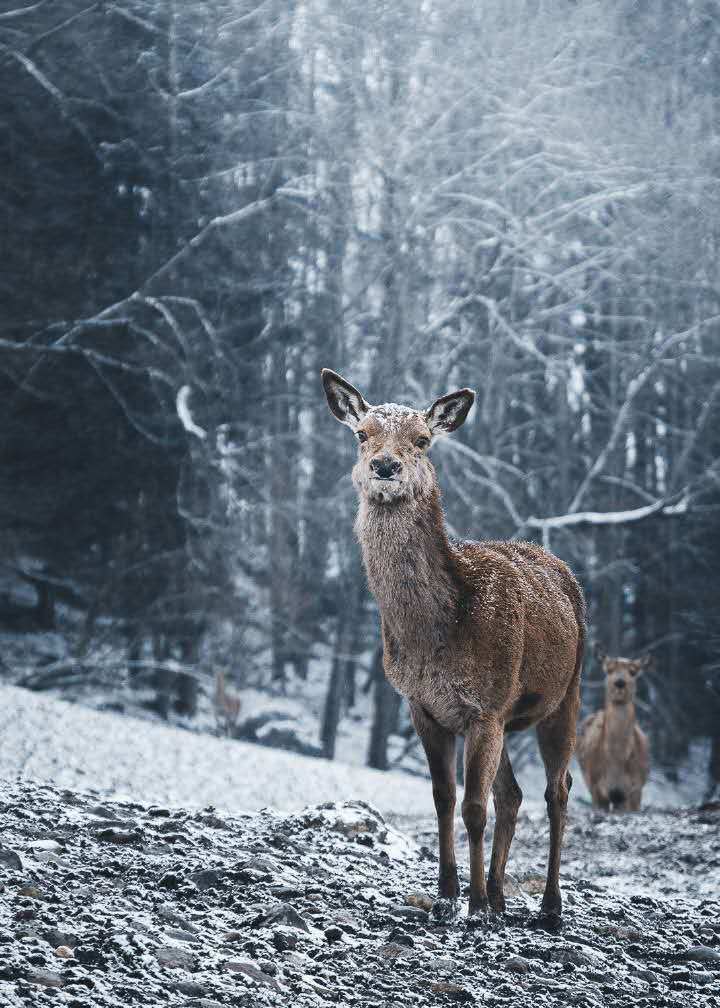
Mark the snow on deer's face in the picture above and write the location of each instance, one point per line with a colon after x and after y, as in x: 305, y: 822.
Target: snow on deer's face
x: 393, y: 440
x: 392, y: 462
x: 621, y: 675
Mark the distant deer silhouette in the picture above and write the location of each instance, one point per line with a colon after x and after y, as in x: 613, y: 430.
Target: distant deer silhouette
x: 613, y: 751
x: 226, y: 704
x: 482, y: 638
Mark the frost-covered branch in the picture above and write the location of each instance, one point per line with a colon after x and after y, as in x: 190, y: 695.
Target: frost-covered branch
x: 183, y: 411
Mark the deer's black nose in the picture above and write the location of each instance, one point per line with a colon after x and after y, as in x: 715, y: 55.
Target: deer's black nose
x: 620, y: 683
x: 385, y: 467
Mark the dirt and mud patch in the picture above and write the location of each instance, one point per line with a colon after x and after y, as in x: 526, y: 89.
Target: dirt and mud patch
x: 119, y: 903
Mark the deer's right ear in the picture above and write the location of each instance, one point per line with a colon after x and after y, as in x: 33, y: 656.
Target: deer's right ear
x: 344, y: 399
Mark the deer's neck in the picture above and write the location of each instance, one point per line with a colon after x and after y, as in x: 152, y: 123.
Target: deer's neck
x: 408, y: 561
x: 619, y: 725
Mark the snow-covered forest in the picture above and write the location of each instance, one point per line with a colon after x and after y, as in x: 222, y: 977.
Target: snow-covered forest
x: 205, y: 203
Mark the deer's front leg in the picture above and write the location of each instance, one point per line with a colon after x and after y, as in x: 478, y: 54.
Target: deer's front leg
x: 483, y: 746
x: 439, y: 746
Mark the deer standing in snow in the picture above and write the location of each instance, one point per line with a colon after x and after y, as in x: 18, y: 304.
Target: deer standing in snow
x: 613, y: 751
x: 482, y: 638
x: 226, y: 704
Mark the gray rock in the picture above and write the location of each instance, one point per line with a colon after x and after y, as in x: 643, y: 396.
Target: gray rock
x: 176, y: 958
x: 177, y: 934
x: 44, y: 977
x: 285, y: 938
x: 283, y: 913
x: 9, y: 859
x: 452, y: 991
x: 44, y: 845
x: 516, y: 964
x: 119, y: 836
x: 190, y: 987
x: 710, y: 957
x: 57, y: 936
x: 248, y: 968
x: 392, y: 950
x: 208, y: 878
x: 420, y: 901
x: 412, y: 913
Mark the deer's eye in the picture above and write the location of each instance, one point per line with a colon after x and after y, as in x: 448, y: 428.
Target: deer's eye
x: 362, y: 436
x: 422, y: 442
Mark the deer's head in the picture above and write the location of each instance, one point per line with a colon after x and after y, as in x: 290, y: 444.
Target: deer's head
x: 621, y: 676
x: 393, y: 440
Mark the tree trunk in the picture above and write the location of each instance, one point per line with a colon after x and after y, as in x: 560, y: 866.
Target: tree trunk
x: 386, y: 709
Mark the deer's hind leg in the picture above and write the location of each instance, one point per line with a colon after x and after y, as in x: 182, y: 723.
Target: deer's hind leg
x: 556, y: 738
x: 507, y: 797
x: 439, y: 746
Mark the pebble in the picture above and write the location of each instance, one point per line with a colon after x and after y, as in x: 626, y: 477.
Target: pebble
x: 283, y: 913
x: 120, y: 836
x: 9, y: 859
x: 176, y: 958
x: 703, y: 954
x: 452, y: 991
x: 516, y: 964
x: 44, y: 977
x: 44, y: 845
x: 248, y: 968
x: 284, y: 938
x: 420, y: 900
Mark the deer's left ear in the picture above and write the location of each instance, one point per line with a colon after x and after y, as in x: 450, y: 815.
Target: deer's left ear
x: 449, y: 412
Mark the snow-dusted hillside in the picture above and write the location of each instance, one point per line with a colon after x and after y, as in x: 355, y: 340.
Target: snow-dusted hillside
x: 72, y: 746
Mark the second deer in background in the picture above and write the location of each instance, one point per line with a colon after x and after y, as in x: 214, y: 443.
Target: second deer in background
x: 227, y: 706
x: 612, y: 750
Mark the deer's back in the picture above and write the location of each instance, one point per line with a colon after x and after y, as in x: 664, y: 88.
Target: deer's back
x: 527, y: 598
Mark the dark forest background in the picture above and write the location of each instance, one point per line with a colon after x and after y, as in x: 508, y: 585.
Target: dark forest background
x: 204, y: 203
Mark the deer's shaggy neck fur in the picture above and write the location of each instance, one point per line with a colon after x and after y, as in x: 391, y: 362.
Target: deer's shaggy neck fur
x: 619, y: 735
x: 408, y: 560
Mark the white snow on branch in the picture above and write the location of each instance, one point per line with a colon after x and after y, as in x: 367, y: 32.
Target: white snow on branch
x: 182, y: 404
x: 668, y: 508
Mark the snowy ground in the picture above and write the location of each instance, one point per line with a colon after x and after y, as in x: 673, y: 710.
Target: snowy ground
x: 45, y: 739
x: 109, y: 904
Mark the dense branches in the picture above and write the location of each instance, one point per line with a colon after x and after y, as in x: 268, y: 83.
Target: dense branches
x: 209, y: 202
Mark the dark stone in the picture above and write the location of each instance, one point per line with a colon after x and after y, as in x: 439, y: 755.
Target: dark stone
x: 283, y: 913
x: 208, y: 878
x: 284, y: 938
x: 9, y: 859
x: 170, y: 881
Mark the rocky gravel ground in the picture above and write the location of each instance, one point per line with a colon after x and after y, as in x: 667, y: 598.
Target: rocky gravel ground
x: 108, y: 903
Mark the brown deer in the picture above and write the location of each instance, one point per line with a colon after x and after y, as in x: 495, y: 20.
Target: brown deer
x: 226, y: 704
x: 613, y: 751
x: 482, y: 638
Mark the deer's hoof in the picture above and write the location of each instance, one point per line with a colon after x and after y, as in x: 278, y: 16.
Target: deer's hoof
x: 444, y: 910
